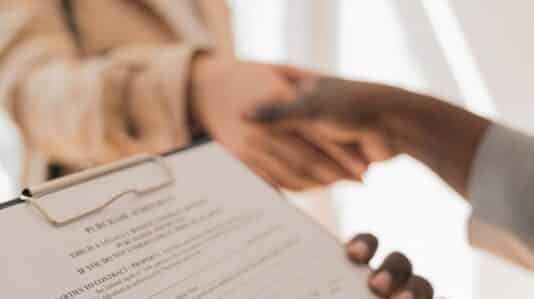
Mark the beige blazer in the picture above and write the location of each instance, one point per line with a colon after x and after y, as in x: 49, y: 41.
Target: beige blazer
x: 115, y: 88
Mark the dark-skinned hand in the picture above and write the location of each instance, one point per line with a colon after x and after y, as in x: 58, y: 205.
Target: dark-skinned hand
x: 394, y: 279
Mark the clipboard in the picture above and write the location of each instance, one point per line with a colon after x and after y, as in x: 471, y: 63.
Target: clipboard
x: 236, y: 239
x: 32, y: 195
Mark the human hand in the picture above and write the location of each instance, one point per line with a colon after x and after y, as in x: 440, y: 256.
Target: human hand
x: 394, y: 279
x: 339, y: 111
x: 223, y: 92
x: 384, y: 121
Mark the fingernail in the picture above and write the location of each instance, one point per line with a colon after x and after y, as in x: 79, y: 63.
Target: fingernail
x: 381, y: 282
x: 359, y: 251
x: 404, y: 295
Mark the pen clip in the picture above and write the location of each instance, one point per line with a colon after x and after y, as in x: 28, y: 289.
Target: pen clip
x: 34, y: 195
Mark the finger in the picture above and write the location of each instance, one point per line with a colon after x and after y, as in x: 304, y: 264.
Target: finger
x: 416, y: 288
x: 393, y: 275
x: 284, y: 176
x: 284, y: 92
x: 303, y: 80
x: 258, y: 167
x: 352, y: 157
x: 262, y: 173
x: 295, y: 75
x: 307, y: 159
x: 349, y: 156
x: 377, y: 147
x: 362, y: 248
x: 278, y: 112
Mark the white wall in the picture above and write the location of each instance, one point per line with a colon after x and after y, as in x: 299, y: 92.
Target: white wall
x: 10, y: 159
x: 402, y: 202
x: 475, y: 53
x: 501, y: 37
x: 417, y: 44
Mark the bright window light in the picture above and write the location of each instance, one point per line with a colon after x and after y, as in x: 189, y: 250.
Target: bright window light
x: 259, y: 29
x: 10, y: 158
x: 459, y: 56
x: 372, y: 45
x: 402, y: 202
x: 6, y: 191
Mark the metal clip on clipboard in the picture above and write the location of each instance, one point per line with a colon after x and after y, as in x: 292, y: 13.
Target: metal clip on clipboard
x: 33, y: 195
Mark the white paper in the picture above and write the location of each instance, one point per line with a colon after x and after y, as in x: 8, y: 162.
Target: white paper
x: 220, y: 232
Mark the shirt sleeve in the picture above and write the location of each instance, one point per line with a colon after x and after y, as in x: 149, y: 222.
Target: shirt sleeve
x: 501, y: 190
x: 82, y: 111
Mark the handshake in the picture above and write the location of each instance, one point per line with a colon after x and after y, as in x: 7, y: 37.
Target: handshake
x: 296, y: 129
x: 300, y: 130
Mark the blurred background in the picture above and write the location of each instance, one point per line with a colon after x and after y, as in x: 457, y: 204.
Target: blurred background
x: 476, y: 53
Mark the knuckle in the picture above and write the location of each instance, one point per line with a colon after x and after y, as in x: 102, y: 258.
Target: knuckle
x: 299, y: 188
x: 369, y: 239
x: 310, y: 168
x: 301, y: 169
x: 276, y: 93
x: 243, y: 148
x: 400, y: 268
x: 362, y: 248
x: 399, y: 262
x: 317, y: 167
x: 420, y: 287
x: 290, y: 186
x: 241, y: 152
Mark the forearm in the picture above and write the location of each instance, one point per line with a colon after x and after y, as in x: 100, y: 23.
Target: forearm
x: 489, y: 164
x: 440, y: 135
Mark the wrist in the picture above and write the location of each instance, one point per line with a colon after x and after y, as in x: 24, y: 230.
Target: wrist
x: 441, y: 135
x: 202, y: 72
x: 401, y: 120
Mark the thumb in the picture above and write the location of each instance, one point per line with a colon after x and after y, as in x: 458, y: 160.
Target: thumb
x: 276, y: 113
x: 294, y: 74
